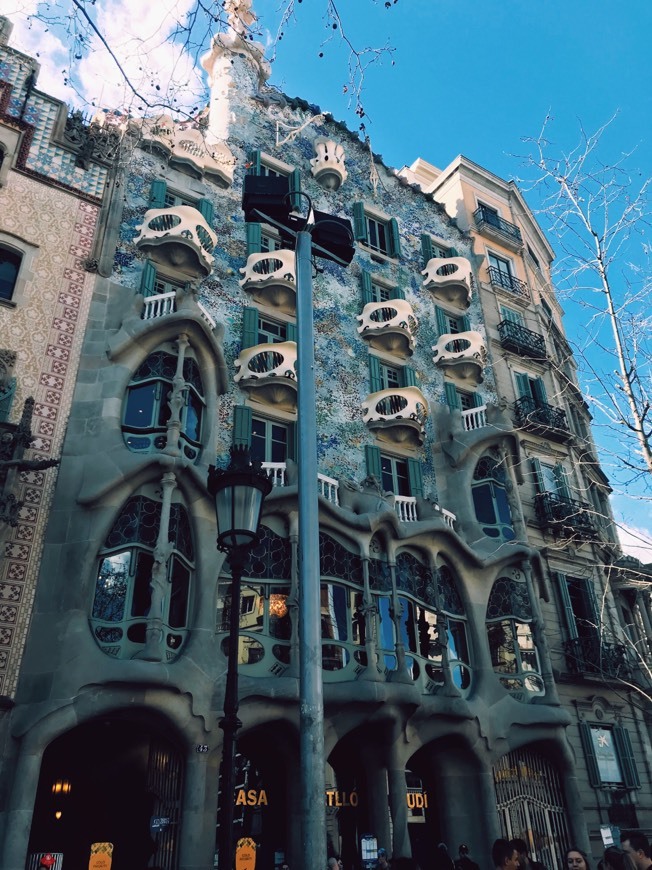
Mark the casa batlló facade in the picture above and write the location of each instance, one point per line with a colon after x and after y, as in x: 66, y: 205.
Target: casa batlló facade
x: 481, y: 634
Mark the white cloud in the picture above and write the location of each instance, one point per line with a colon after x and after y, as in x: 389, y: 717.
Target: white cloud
x: 636, y: 542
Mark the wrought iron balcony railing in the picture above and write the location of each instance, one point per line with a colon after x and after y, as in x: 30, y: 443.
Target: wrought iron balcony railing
x: 487, y: 218
x: 565, y: 515
x: 541, y: 416
x: 514, y: 336
x: 508, y: 282
x: 593, y: 655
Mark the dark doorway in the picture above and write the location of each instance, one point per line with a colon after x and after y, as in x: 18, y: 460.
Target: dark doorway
x: 104, y: 782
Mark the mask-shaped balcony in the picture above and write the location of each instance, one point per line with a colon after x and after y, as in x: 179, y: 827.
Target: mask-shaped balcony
x: 464, y: 352
x: 187, y: 147
x: 449, y: 280
x: 397, y: 415
x: 268, y: 372
x: 389, y: 326
x: 178, y: 237
x: 271, y: 279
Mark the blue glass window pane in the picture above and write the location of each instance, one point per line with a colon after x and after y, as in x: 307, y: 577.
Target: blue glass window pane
x: 334, y: 615
x: 141, y: 401
x: 142, y: 596
x: 111, y: 587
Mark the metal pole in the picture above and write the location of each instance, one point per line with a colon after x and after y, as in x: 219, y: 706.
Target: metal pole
x: 311, y: 721
x: 230, y: 722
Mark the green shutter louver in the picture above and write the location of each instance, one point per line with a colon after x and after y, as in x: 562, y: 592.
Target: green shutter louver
x: 568, y: 614
x: 452, y: 399
x: 415, y: 478
x: 157, y: 193
x: 426, y: 247
x: 523, y: 385
x: 254, y: 237
x: 539, y: 391
x: 292, y: 446
x: 452, y: 252
x: 242, y: 426
x: 249, y: 327
x: 408, y: 376
x: 625, y: 750
x: 253, y: 163
x: 372, y: 459
x: 442, y: 321
x: 291, y: 332
x: 359, y: 222
x: 561, y: 478
x: 466, y: 323
x: 375, y: 375
x: 294, y: 180
x: 366, y: 287
x: 206, y: 209
x: 398, y: 293
x: 148, y: 279
x: 394, y: 238
x: 537, y: 471
x: 592, y: 768
x: 478, y: 401
x: 7, y: 394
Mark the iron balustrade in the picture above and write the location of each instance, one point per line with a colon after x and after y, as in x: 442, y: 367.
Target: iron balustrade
x: 567, y: 515
x: 593, y: 655
x: 541, y: 415
x: 502, y: 279
x: 484, y: 215
x: 514, y: 336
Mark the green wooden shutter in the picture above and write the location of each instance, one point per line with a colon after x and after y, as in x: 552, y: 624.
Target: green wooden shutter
x: 372, y: 459
x: 568, y: 614
x: 241, y: 426
x: 157, y: 193
x: 452, y: 252
x: 291, y: 332
x: 205, y: 206
x: 561, y: 477
x: 539, y: 482
x: 593, y: 604
x: 398, y: 293
x: 511, y: 316
x: 148, y: 279
x: 539, y: 391
x: 254, y: 236
x: 452, y: 399
x: 292, y: 446
x: 442, y: 322
x: 426, y: 247
x: 375, y: 374
x: 366, y: 287
x: 478, y: 401
x: 359, y: 222
x: 408, y: 377
x: 253, y: 163
x: 394, y: 238
x: 592, y: 768
x: 623, y: 744
x: 415, y: 478
x: 465, y: 322
x: 294, y: 180
x: 523, y: 385
x: 249, y: 327
x: 7, y: 394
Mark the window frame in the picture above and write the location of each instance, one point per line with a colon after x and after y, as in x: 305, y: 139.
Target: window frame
x: 362, y: 215
x: 25, y: 273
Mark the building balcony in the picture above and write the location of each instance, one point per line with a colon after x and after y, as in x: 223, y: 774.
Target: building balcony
x: 464, y: 353
x: 407, y: 511
x: 166, y: 303
x: 595, y: 656
x: 521, y: 340
x: 268, y: 371
x: 178, y: 237
x: 474, y: 418
x: 565, y: 517
x: 398, y: 415
x: 509, y: 283
x: 389, y: 326
x: 187, y: 147
x: 542, y: 419
x: 271, y: 279
x: 327, y: 487
x: 494, y: 227
x: 449, y: 280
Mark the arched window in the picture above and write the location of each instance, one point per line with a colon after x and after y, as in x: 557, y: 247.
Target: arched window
x: 10, y: 260
x: 514, y: 655
x: 147, y: 406
x: 490, y: 499
x: 122, y: 599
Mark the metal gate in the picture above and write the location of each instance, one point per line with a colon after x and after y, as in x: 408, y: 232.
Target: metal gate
x: 164, y: 781
x: 530, y: 804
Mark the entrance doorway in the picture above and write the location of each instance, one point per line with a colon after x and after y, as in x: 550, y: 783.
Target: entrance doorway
x: 106, y: 781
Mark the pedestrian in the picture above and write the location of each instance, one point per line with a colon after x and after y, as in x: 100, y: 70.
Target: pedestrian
x: 443, y: 860
x: 576, y: 859
x: 637, y: 846
x: 525, y: 861
x: 504, y: 855
x: 383, y: 860
x: 617, y: 859
x: 464, y: 862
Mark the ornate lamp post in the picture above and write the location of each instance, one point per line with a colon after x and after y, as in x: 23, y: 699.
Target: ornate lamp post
x: 239, y: 492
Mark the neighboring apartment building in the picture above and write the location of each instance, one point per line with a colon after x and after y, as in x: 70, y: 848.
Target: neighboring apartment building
x: 464, y: 525
x: 49, y: 205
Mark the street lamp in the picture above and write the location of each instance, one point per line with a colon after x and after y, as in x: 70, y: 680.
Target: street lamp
x: 239, y: 492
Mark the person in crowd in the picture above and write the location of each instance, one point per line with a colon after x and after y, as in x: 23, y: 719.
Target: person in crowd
x: 576, y: 859
x: 442, y: 860
x: 464, y: 862
x: 504, y: 855
x: 617, y: 859
x: 383, y: 860
x: 525, y: 861
x: 637, y: 846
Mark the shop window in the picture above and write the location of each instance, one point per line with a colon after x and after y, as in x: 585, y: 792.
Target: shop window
x: 147, y: 406
x: 10, y: 260
x: 123, y: 593
x: 490, y: 499
x: 378, y: 232
x: 514, y: 655
x: 609, y: 756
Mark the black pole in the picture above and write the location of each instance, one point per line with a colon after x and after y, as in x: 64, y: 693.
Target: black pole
x: 230, y: 722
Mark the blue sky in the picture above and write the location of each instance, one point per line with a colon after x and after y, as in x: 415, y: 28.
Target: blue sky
x: 471, y: 78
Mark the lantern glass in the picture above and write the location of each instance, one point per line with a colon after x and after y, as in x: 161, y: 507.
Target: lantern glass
x: 238, y: 509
